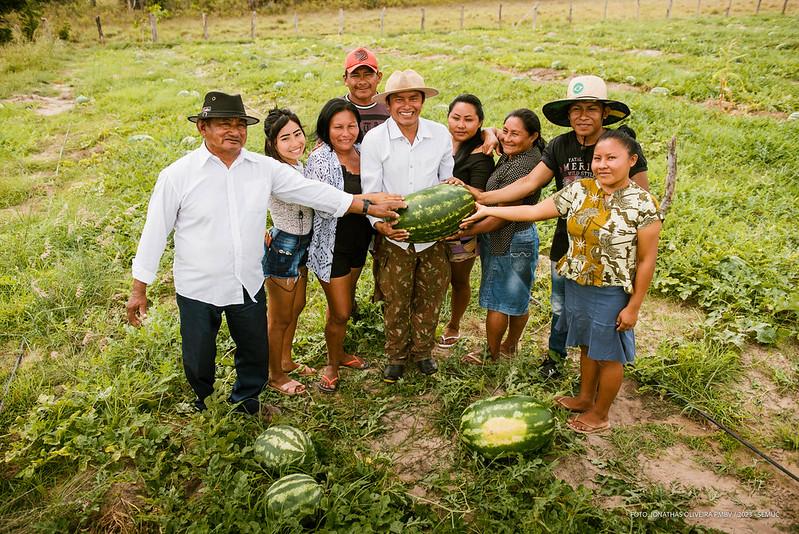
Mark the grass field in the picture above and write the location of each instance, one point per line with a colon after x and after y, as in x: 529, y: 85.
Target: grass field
x: 94, y: 431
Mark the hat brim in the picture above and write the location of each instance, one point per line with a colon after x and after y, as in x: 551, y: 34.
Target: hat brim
x: 357, y: 65
x: 222, y: 115
x: 380, y: 98
x: 557, y: 112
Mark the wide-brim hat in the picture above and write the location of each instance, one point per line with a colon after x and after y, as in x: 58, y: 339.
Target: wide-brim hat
x: 585, y: 88
x: 401, y: 81
x: 223, y: 106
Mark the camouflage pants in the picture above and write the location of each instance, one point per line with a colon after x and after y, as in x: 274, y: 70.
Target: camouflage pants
x: 413, y: 286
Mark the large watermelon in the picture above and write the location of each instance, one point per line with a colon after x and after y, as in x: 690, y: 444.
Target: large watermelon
x: 294, y: 495
x: 515, y: 423
x: 434, y: 213
x: 281, y: 446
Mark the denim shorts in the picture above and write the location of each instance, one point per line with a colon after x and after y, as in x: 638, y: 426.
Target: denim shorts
x: 287, y: 253
x: 506, y: 280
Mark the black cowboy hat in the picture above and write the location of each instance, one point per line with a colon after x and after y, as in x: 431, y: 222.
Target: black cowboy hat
x: 222, y: 106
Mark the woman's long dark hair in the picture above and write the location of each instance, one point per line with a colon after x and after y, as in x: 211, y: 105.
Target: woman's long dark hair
x: 333, y: 106
x: 468, y: 146
x: 273, y: 123
x: 531, y: 124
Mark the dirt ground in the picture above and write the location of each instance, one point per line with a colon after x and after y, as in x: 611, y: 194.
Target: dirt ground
x: 722, y: 500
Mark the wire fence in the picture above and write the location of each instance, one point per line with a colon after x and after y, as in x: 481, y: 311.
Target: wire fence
x: 536, y: 15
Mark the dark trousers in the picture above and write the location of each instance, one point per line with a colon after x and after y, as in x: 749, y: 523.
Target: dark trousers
x: 199, y: 325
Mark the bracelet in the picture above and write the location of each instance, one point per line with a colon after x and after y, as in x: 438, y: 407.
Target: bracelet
x: 366, y: 204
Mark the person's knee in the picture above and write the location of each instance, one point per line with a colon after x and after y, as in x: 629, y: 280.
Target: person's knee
x: 340, y: 316
x: 460, y: 284
x: 279, y: 320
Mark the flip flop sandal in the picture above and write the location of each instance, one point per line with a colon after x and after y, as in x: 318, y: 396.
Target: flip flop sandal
x: 587, y: 429
x: 447, y: 342
x: 359, y: 364
x: 302, y: 370
x: 559, y: 402
x: 474, y: 358
x: 289, y: 388
x: 327, y: 385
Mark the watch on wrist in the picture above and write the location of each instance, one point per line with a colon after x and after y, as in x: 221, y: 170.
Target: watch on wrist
x: 366, y: 204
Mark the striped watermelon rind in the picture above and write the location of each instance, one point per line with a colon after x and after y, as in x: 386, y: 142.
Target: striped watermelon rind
x: 509, y: 424
x: 281, y: 446
x: 296, y: 495
x: 435, y: 212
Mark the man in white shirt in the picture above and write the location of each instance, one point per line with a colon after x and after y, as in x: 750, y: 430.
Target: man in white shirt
x: 216, y: 198
x: 406, y: 154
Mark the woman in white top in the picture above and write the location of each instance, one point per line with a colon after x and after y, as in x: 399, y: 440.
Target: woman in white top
x: 285, y: 256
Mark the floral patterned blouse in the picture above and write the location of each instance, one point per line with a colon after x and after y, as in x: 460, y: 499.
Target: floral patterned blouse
x: 603, y: 233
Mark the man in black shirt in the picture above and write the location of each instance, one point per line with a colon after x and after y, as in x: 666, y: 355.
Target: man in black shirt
x: 587, y: 110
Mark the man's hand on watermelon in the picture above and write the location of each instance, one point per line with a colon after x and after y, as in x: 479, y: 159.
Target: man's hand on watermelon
x: 387, y: 229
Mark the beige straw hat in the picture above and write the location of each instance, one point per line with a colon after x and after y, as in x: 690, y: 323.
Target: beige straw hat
x: 404, y: 80
x: 582, y: 88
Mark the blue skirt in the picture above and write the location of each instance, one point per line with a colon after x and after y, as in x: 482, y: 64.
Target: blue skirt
x: 589, y: 316
x: 506, y: 280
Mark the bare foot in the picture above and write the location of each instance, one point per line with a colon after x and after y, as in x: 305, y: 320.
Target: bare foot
x: 507, y: 350
x: 574, y: 404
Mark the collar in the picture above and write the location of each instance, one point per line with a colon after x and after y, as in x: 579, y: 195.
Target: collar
x: 422, y: 132
x: 367, y: 106
x: 204, y: 155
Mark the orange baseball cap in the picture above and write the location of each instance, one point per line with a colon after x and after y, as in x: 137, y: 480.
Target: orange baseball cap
x: 360, y: 57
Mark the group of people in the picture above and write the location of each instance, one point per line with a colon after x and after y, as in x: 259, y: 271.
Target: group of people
x: 373, y: 149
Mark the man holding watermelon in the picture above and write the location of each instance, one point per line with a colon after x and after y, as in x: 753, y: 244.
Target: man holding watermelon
x: 403, y: 155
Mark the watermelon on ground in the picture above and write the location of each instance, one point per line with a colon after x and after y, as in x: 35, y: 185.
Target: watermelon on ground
x: 435, y: 212
x: 515, y: 423
x: 282, y: 446
x: 294, y: 495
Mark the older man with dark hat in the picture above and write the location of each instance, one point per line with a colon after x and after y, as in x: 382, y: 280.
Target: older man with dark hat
x: 406, y: 154
x: 587, y: 110
x: 215, y: 198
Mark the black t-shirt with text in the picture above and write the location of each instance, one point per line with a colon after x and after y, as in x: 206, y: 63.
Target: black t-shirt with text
x: 570, y: 161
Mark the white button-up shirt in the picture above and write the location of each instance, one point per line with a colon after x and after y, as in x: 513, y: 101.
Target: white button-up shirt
x: 219, y: 217
x: 390, y: 163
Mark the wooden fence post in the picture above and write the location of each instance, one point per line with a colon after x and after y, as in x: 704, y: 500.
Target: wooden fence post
x: 99, y: 29
x: 296, y: 24
x: 499, y: 17
x: 571, y: 9
x: 698, y: 7
x: 637, y: 9
x: 382, y: 20
x: 461, y: 16
x: 605, y: 12
x: 727, y: 11
x: 205, y: 26
x: 153, y: 28
x: 252, y: 26
x: 757, y: 7
x: 535, y: 15
x: 341, y: 21
x: 784, y: 5
x: 668, y: 9
x: 421, y: 24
